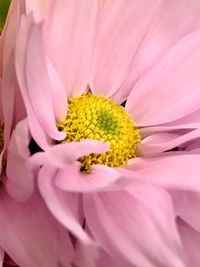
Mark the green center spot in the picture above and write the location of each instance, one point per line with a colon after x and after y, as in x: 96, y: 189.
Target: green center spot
x: 106, y: 122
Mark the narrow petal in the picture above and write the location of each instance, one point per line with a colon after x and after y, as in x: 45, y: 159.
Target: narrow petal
x: 191, y: 242
x: 20, y: 182
x: 180, y: 170
x: 189, y: 122
x: 1, y: 257
x: 187, y: 205
x: 176, y: 76
x: 70, y: 32
x: 30, y: 234
x: 172, y: 21
x: 21, y: 46
x: 59, y: 208
x: 38, y: 8
x: 121, y: 221
x: 38, y: 85
x: 100, y: 177
x: 157, y: 143
x: 67, y: 153
x: 117, y: 42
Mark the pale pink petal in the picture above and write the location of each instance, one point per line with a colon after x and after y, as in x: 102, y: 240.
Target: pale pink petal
x: 100, y: 177
x: 191, y: 121
x: 69, y: 37
x: 172, y: 21
x: 21, y: 46
x: 38, y: 85
x: 20, y: 182
x: 10, y: 30
x: 58, y: 93
x: 187, y: 205
x: 59, y: 208
x: 8, y: 86
x: 106, y: 260
x: 171, y: 90
x: 160, y: 142
x: 67, y: 153
x: 120, y: 31
x: 86, y: 256
x: 1, y: 257
x: 38, y: 8
x: 30, y: 234
x: 180, y: 170
x: 191, y: 243
x: 1, y: 110
x: 122, y: 222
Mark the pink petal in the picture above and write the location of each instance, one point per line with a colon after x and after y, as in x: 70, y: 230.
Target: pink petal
x: 120, y: 31
x: 38, y: 8
x: 190, y: 122
x: 36, y: 129
x: 172, y: 21
x: 30, y: 234
x: 20, y: 180
x: 179, y: 170
x: 1, y: 257
x: 160, y: 142
x: 60, y: 209
x: 38, y: 85
x: 70, y: 32
x: 67, y: 153
x: 176, y: 76
x: 100, y: 177
x: 187, y: 205
x: 8, y: 98
x: 121, y: 222
x: 191, y: 243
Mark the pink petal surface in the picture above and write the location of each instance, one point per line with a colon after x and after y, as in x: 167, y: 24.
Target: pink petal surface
x: 176, y: 76
x: 121, y: 222
x: 100, y: 177
x: 187, y: 205
x: 69, y: 36
x: 120, y: 31
x: 1, y: 257
x: 30, y: 235
x: 21, y: 46
x: 62, y: 154
x: 157, y: 143
x: 180, y: 170
x: 190, y: 121
x: 38, y: 85
x: 20, y: 182
x: 38, y: 8
x: 172, y: 21
x: 8, y: 98
x: 191, y: 242
x: 59, y: 208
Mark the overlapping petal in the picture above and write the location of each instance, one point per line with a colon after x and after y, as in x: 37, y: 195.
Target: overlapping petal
x: 171, y: 90
x: 120, y: 219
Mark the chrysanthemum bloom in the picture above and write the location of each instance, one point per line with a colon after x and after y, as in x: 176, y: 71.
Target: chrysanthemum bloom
x: 103, y: 164
x: 28, y: 232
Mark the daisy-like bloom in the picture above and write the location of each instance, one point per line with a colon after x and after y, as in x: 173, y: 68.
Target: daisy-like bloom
x: 29, y: 234
x: 105, y: 85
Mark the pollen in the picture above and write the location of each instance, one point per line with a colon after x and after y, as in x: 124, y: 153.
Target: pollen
x: 95, y: 117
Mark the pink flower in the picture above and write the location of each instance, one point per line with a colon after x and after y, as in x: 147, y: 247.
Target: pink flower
x: 147, y: 55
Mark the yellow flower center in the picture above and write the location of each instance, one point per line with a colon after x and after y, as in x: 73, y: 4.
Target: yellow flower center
x: 94, y: 117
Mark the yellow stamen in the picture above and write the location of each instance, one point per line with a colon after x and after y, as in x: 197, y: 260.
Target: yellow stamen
x: 94, y: 117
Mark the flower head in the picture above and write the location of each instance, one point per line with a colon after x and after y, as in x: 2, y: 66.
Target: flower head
x: 74, y: 70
